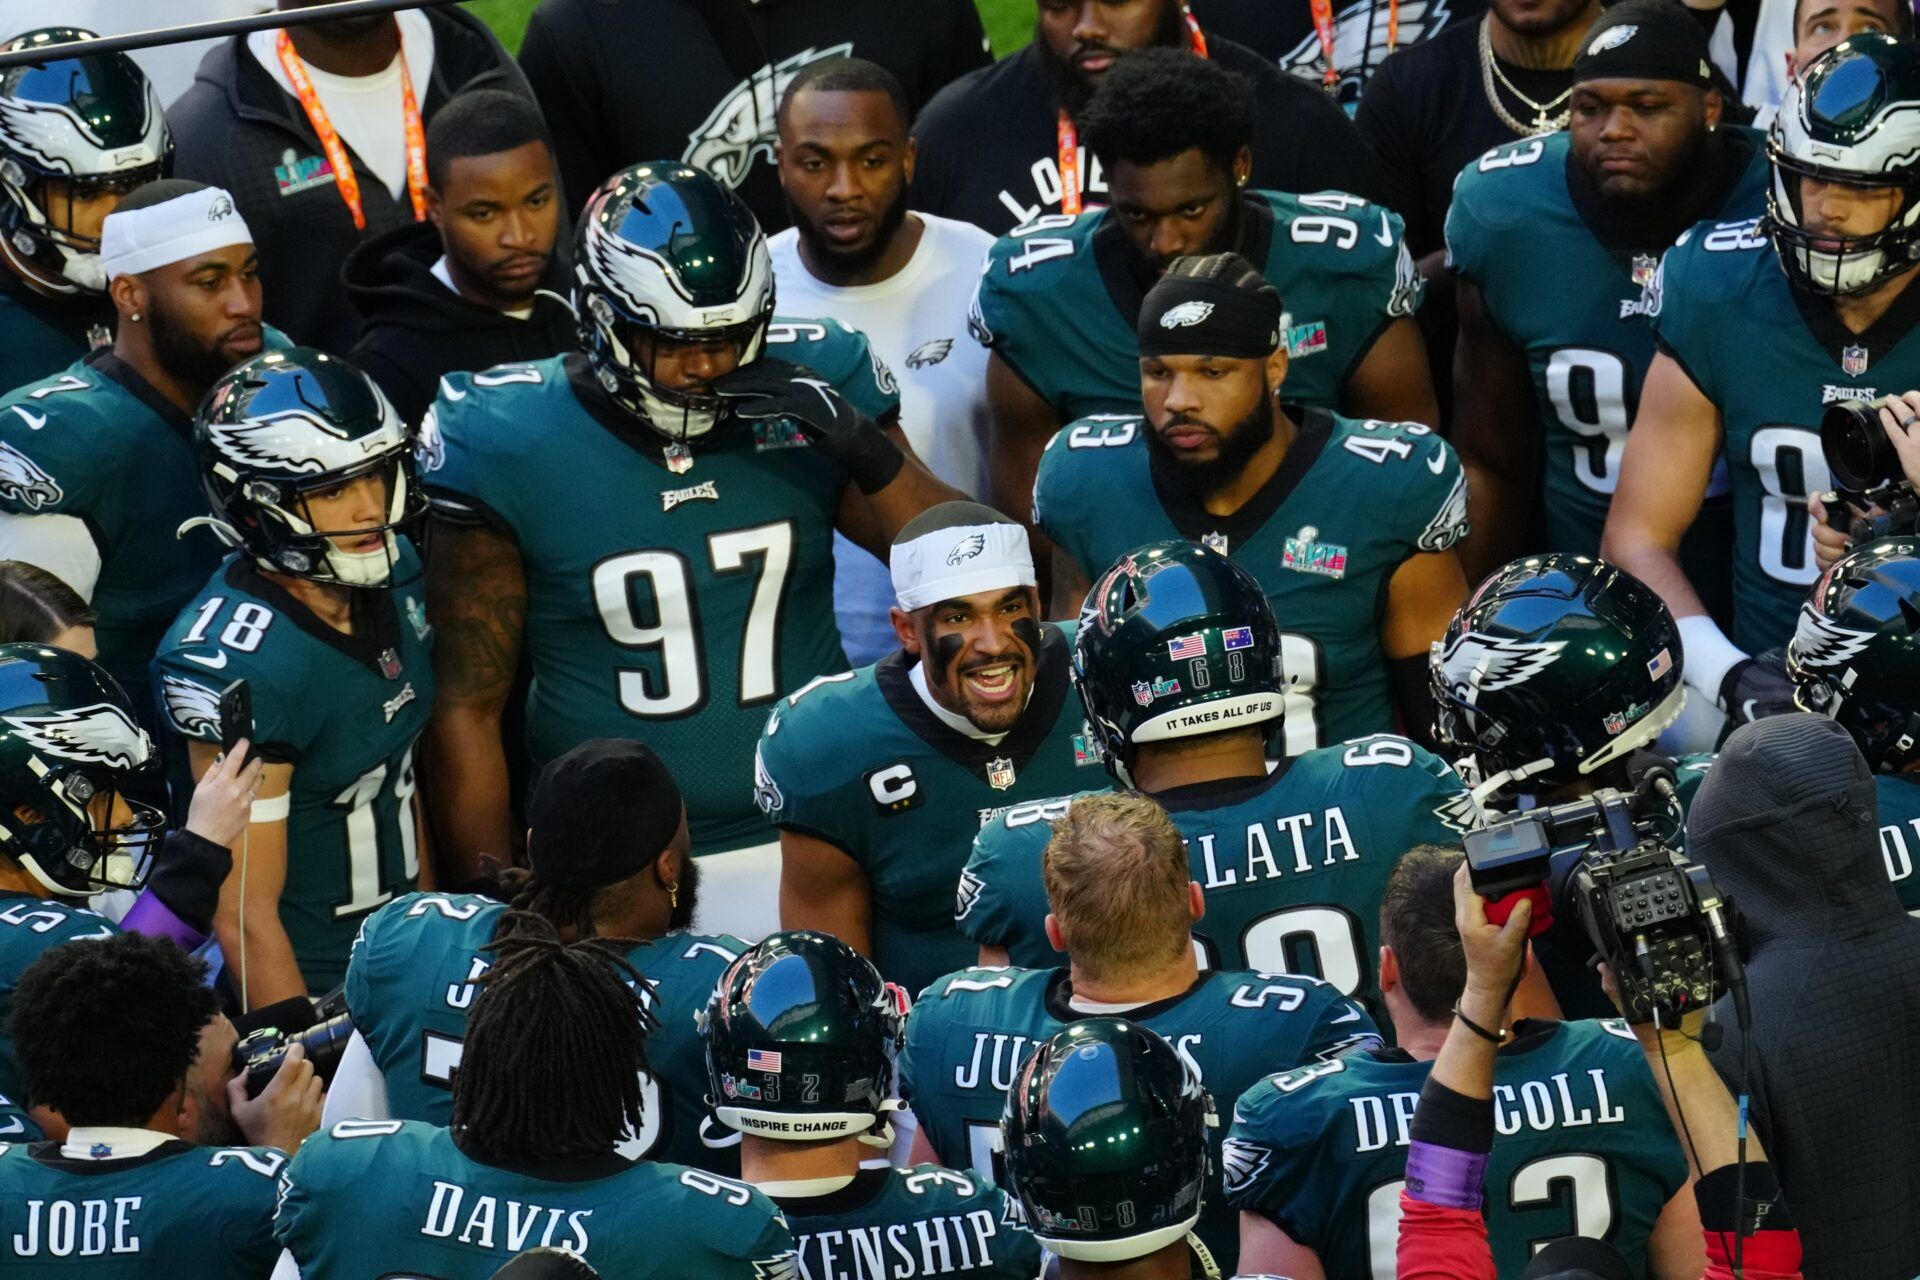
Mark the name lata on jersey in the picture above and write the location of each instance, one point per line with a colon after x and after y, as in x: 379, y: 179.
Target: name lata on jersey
x: 1259, y: 861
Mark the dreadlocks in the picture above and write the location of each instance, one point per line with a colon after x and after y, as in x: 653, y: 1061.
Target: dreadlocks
x: 570, y: 911
x: 554, y: 1048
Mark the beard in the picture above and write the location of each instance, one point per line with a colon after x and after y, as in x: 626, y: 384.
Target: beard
x: 1072, y: 90
x: 1237, y: 447
x: 1654, y: 203
x: 181, y: 354
x: 681, y: 915
x: 215, y: 1126
x: 859, y: 258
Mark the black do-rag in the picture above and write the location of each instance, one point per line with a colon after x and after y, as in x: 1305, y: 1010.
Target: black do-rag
x: 1207, y: 315
x: 599, y: 814
x: 1645, y: 40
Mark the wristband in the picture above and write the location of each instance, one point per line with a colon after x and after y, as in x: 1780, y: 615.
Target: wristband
x: 1708, y: 654
x: 272, y: 809
x: 1492, y: 1037
x: 871, y: 459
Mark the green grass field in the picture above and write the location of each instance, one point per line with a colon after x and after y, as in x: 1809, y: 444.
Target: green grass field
x: 1009, y: 23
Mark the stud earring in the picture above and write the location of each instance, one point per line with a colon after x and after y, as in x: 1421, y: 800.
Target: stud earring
x: 135, y: 317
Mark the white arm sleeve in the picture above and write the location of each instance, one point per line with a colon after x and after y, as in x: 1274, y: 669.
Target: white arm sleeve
x: 359, y: 1089
x: 59, y: 544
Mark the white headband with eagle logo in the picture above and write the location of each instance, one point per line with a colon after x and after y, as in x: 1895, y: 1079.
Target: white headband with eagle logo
x: 960, y: 560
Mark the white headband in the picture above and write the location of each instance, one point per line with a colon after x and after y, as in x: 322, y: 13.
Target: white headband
x: 960, y: 560
x: 137, y: 240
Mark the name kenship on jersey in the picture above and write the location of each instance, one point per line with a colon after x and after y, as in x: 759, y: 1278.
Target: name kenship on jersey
x: 898, y: 1224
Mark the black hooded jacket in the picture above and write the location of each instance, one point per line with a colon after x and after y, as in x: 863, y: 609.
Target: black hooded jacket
x: 1786, y: 822
x: 414, y: 329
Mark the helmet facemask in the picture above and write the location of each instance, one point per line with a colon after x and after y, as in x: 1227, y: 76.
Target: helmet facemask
x: 70, y: 843
x: 1839, y: 265
x: 625, y: 354
x: 325, y: 560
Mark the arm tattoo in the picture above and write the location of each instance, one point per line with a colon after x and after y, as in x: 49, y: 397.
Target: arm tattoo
x: 477, y: 598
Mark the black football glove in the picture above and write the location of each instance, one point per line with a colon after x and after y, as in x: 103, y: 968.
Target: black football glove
x: 772, y: 388
x: 1757, y: 687
x: 187, y: 875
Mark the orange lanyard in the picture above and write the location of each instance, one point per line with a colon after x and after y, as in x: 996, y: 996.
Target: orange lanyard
x: 1323, y: 27
x: 1068, y: 137
x: 344, y: 177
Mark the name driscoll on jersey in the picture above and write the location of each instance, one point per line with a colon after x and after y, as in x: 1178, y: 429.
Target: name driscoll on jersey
x: 901, y: 1250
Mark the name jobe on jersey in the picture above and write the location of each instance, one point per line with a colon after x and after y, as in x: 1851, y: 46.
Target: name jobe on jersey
x: 78, y: 1228
x: 1386, y: 1120
x: 1260, y: 863
x: 900, y: 1250
x: 492, y: 1222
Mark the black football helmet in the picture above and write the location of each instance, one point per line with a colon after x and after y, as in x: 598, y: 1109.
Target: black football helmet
x: 69, y: 745
x: 286, y: 425
x: 1851, y: 117
x: 665, y: 251
x: 1555, y: 666
x: 1105, y: 1141
x: 91, y: 124
x: 801, y: 1033
x: 1175, y: 640
x: 1855, y: 654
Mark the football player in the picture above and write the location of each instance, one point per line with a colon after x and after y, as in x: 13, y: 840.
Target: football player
x: 608, y: 854
x: 70, y: 751
x: 1105, y: 1118
x: 1122, y: 909
x: 76, y: 134
x: 801, y: 1035
x: 1316, y: 1156
x: 1292, y: 862
x: 124, y: 1039
x: 679, y: 618
x: 1759, y: 324
x: 1348, y: 526
x: 551, y: 1081
x: 1060, y: 297
x: 320, y: 610
x: 97, y: 471
x: 1554, y: 374
x: 879, y: 779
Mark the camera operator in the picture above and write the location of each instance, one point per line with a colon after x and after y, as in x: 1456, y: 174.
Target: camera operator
x: 1895, y: 416
x: 1442, y: 1234
x: 123, y: 1038
x: 1309, y: 1150
x: 1785, y: 821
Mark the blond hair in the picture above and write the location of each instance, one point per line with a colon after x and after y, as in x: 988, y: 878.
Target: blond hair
x: 1116, y: 874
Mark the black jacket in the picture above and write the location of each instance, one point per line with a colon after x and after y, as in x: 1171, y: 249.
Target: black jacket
x: 236, y: 128
x: 623, y: 81
x: 414, y: 329
x: 989, y: 145
x: 1786, y: 822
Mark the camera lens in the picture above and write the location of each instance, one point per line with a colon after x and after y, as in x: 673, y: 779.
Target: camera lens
x: 1856, y: 446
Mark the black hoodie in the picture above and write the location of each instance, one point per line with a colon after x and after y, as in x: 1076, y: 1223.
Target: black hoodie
x: 414, y: 329
x: 1786, y: 822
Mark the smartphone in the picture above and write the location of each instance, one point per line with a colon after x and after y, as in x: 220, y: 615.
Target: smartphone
x: 236, y: 714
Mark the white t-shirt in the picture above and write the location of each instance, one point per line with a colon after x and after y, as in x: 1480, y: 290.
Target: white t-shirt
x: 917, y: 322
x: 367, y: 111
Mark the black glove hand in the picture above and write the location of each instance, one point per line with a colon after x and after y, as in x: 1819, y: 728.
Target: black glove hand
x: 773, y: 388
x: 1757, y: 687
x: 187, y: 876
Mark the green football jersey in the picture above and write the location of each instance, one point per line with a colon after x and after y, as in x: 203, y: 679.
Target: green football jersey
x: 668, y: 607
x: 1059, y: 297
x: 902, y: 1224
x: 40, y: 336
x: 1898, y: 800
x: 1582, y: 1147
x: 1350, y: 503
x: 343, y: 710
x: 1771, y: 360
x: 399, y: 1198
x: 412, y: 980
x: 1294, y: 864
x: 968, y: 1034
x: 30, y: 926
x: 177, y: 1210
x: 1514, y: 224
x: 859, y: 761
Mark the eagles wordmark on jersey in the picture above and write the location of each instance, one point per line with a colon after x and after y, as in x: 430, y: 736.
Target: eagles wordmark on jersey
x: 1350, y: 503
x: 676, y: 623
x: 902, y: 1224
x: 344, y: 710
x: 1293, y: 864
x: 1059, y: 297
x: 412, y: 981
x: 968, y: 1034
x: 857, y: 760
x: 1583, y: 1147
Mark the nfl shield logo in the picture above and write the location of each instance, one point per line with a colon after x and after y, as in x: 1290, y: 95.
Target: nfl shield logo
x: 1854, y: 361
x: 1214, y: 542
x: 1616, y: 722
x: 1643, y: 269
x: 1000, y: 773
x: 390, y: 663
x: 1143, y: 693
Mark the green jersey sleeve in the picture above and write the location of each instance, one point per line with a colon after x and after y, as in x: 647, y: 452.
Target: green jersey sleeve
x: 323, y: 1166
x: 460, y: 435
x: 842, y: 356
x: 1405, y: 794
x: 1478, y: 214
x: 1011, y: 315
x: 1686, y: 305
x: 1001, y: 886
x: 48, y: 472
x: 1273, y: 1155
x: 1068, y: 496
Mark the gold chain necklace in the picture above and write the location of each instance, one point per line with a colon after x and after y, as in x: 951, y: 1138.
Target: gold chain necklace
x: 1542, y: 121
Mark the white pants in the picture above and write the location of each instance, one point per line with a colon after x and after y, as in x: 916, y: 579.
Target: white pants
x: 740, y: 892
